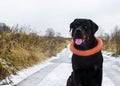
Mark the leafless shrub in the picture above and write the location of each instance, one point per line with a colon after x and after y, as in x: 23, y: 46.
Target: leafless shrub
x: 116, y: 39
x: 4, y: 27
x: 112, y: 42
x: 50, y: 32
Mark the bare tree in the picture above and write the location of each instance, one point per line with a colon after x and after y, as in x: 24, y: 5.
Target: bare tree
x: 4, y: 27
x: 50, y: 32
x: 116, y: 38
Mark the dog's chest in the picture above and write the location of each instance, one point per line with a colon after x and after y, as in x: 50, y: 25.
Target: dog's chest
x: 85, y: 61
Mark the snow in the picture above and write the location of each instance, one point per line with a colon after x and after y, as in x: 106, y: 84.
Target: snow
x: 59, y: 76
x: 21, y: 75
x: 107, y: 81
x: 56, y: 70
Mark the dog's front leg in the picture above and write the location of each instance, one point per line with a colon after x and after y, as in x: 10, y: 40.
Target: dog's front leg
x: 70, y: 80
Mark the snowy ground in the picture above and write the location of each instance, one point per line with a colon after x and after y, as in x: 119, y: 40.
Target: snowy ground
x: 55, y: 72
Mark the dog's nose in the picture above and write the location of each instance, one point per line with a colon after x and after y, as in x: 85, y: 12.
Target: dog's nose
x: 78, y: 31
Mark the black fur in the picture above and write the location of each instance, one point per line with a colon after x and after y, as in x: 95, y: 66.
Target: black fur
x: 87, y: 70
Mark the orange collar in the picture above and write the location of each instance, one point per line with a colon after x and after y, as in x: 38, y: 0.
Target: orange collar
x: 87, y: 52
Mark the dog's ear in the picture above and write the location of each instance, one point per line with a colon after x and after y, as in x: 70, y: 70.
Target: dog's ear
x: 74, y: 24
x: 70, y: 29
x: 71, y: 26
x: 94, y: 26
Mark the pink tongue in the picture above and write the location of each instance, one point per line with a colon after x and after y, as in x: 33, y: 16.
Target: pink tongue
x: 78, y: 41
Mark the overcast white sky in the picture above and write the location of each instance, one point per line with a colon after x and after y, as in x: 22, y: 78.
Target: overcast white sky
x: 58, y: 14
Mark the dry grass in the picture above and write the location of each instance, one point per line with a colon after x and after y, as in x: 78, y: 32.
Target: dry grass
x: 112, y: 41
x: 20, y: 50
x: 109, y: 46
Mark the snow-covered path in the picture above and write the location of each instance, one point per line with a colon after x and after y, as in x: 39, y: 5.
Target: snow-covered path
x: 59, y: 68
x: 54, y: 74
x: 112, y: 70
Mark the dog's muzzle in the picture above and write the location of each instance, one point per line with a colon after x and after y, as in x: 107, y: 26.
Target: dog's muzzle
x: 78, y: 33
x: 78, y: 36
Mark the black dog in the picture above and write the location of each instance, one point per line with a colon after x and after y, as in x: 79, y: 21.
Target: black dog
x: 87, y: 70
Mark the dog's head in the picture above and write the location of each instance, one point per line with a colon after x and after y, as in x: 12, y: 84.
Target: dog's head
x: 83, y: 31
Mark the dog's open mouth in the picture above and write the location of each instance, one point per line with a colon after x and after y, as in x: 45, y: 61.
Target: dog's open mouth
x: 79, y: 41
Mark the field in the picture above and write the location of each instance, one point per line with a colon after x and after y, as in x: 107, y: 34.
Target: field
x: 19, y: 50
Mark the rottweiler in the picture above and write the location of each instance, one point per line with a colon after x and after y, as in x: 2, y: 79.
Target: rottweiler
x: 87, y: 70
